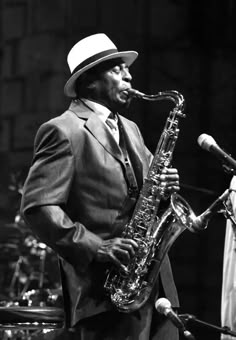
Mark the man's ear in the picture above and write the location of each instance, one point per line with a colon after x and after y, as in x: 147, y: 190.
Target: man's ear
x: 91, y: 85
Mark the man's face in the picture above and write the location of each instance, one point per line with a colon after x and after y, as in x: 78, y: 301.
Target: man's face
x: 111, y: 86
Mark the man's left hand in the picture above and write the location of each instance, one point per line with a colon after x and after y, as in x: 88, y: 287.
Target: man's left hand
x: 169, y: 180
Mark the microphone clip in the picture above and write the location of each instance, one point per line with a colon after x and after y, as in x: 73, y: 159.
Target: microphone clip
x: 229, y: 170
x: 228, y: 210
x: 193, y: 320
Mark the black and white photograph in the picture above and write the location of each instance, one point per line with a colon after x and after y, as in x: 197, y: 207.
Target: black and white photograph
x: 118, y: 170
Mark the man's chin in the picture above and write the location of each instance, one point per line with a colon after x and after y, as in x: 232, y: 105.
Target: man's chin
x: 125, y: 102
x: 120, y: 104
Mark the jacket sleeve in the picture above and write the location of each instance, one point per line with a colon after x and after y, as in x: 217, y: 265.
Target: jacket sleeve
x: 45, y: 194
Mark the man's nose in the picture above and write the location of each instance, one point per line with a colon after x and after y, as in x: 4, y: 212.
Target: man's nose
x: 127, y: 76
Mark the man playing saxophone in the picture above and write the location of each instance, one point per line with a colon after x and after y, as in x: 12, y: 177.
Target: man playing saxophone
x: 88, y: 167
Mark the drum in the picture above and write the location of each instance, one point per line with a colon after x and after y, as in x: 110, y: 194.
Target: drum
x: 28, y: 323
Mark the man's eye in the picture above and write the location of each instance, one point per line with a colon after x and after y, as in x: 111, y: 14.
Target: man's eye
x: 116, y: 69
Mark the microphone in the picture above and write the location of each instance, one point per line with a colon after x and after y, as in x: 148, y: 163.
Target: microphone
x: 163, y: 306
x: 201, y: 221
x: 208, y: 143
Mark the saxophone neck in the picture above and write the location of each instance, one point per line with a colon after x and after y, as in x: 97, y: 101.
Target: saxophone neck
x: 172, y: 95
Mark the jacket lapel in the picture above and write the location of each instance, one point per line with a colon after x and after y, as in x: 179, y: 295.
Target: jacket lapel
x: 98, y: 129
x: 100, y: 132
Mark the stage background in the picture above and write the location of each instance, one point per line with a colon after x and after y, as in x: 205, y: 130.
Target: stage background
x: 188, y: 46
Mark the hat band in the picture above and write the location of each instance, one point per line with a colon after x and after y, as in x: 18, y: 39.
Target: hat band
x: 94, y: 58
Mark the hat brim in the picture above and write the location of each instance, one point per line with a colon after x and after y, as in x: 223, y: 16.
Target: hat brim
x: 128, y: 57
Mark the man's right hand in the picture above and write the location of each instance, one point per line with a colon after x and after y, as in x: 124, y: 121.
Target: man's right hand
x: 117, y: 250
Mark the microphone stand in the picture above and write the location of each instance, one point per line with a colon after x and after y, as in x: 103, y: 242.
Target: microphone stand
x: 191, y: 318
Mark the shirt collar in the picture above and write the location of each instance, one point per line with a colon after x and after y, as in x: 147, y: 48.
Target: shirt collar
x: 101, y: 110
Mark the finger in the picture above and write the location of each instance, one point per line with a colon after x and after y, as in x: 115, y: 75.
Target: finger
x: 170, y: 171
x: 124, y: 269
x: 163, y: 185
x: 171, y: 183
x: 164, y: 170
x: 119, y: 264
x: 120, y: 257
x: 128, y: 248
x: 123, y: 255
x: 172, y: 176
x: 131, y: 242
x: 173, y: 188
x: 169, y: 177
x: 116, y: 261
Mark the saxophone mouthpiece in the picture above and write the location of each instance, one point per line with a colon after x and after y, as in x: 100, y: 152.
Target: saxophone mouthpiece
x: 135, y: 93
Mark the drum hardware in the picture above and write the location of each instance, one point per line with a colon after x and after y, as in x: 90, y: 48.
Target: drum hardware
x: 26, y: 323
x: 42, y: 298
x: 18, y: 279
x: 31, y: 313
x: 30, y: 255
x: 30, y: 270
x: 40, y: 251
x: 27, y: 264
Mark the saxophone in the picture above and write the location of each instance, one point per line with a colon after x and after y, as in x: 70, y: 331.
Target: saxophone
x: 130, y: 287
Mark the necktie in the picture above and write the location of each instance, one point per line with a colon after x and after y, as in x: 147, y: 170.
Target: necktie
x: 112, y: 122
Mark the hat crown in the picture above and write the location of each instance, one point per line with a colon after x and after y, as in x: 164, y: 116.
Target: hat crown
x: 87, y: 48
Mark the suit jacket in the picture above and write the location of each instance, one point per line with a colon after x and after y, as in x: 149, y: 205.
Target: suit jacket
x: 78, y: 166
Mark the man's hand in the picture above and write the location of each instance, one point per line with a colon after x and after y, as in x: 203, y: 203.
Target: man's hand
x: 169, y: 180
x: 117, y: 250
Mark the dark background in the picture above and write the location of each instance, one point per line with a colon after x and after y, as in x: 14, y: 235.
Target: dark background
x: 185, y: 45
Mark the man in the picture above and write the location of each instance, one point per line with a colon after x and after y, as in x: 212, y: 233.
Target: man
x: 82, y: 188
x: 228, y: 296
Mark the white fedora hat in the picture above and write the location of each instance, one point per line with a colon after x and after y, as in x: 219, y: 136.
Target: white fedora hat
x: 88, y: 53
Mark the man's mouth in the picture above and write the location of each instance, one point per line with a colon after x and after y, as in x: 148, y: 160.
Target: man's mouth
x: 125, y: 93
